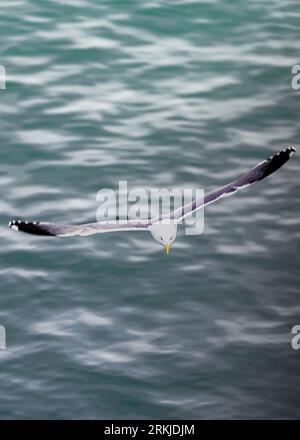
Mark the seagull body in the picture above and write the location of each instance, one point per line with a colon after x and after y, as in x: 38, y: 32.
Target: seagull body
x: 163, y: 228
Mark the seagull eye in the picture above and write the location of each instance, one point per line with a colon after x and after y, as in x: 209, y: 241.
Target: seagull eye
x: 161, y: 238
x: 171, y: 238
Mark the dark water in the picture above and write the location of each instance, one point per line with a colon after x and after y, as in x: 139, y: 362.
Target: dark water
x: 158, y: 93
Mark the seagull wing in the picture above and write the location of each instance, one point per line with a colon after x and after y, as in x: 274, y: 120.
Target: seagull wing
x: 258, y: 172
x: 57, y: 230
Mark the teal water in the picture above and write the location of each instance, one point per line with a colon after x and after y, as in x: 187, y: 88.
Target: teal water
x: 159, y: 93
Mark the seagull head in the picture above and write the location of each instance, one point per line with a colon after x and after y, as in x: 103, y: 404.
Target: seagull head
x: 164, y: 234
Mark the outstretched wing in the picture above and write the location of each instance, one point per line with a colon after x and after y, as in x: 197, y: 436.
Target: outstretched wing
x: 56, y: 230
x: 258, y: 172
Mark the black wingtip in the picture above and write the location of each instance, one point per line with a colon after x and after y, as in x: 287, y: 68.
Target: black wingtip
x: 28, y: 227
x: 277, y: 161
x: 289, y: 150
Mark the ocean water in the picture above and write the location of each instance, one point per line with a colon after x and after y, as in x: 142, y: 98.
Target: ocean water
x: 166, y: 94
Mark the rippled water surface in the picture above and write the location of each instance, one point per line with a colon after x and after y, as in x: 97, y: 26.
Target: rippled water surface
x: 161, y: 94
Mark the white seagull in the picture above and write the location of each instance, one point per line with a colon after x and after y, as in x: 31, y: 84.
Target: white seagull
x: 162, y: 232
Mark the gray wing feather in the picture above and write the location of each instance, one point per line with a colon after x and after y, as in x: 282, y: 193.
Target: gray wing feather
x: 56, y: 230
x: 255, y: 174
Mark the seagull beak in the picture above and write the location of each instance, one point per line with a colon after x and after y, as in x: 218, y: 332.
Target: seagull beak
x: 167, y: 248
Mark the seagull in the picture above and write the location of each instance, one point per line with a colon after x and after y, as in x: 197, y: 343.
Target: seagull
x: 163, y: 232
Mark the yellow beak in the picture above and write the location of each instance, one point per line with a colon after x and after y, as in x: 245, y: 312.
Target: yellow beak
x: 167, y: 248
